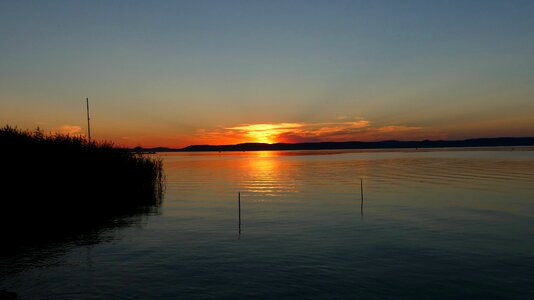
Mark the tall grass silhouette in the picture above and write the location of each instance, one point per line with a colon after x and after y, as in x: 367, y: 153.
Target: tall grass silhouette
x: 61, y: 184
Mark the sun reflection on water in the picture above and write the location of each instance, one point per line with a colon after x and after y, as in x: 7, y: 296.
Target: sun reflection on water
x: 265, y: 177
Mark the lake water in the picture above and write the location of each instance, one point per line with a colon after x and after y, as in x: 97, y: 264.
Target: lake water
x: 433, y: 224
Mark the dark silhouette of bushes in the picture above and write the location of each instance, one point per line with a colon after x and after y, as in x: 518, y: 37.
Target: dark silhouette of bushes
x: 64, y: 184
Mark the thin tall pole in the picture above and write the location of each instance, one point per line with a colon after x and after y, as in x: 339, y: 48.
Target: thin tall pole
x: 361, y: 192
x: 88, y: 121
x: 239, y: 208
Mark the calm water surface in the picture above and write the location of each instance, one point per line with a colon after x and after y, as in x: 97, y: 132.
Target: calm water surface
x: 434, y: 224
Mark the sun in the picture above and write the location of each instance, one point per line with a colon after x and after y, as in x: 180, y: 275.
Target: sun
x: 262, y: 137
x: 264, y: 133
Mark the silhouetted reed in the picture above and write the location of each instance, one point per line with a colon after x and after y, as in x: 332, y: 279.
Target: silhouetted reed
x: 60, y: 183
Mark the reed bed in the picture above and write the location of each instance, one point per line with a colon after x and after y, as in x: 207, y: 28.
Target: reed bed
x: 59, y: 182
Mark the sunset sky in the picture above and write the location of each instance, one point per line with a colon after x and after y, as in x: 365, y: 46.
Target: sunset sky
x: 175, y: 73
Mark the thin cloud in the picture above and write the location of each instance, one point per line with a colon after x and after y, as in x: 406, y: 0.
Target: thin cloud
x: 70, y: 130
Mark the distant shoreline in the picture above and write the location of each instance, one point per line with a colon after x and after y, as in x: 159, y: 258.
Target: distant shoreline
x: 353, y: 145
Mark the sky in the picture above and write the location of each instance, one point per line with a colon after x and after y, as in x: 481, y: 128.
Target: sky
x: 176, y: 73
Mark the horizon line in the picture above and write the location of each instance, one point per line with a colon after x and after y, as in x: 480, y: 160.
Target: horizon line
x: 426, y: 143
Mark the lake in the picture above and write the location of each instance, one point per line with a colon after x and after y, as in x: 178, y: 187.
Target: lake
x: 435, y: 224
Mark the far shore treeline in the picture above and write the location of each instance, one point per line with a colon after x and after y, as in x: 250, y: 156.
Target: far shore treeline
x: 391, y: 144
x: 59, y: 183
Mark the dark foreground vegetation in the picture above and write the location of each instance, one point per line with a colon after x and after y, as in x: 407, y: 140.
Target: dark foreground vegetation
x: 57, y: 186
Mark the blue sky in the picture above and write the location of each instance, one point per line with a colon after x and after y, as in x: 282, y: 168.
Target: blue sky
x: 181, y: 72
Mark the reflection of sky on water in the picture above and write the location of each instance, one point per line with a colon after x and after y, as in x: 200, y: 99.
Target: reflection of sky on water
x: 426, y: 189
x: 456, y: 222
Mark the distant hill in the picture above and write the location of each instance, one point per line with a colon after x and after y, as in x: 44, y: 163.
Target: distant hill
x: 481, y: 142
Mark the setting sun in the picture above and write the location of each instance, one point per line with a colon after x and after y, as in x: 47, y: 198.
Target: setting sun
x: 264, y: 133
x: 262, y: 137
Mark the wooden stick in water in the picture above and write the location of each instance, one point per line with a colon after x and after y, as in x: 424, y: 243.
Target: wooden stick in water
x: 239, y: 208
x: 361, y: 192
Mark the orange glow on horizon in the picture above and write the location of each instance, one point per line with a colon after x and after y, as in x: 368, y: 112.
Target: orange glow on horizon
x: 338, y: 131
